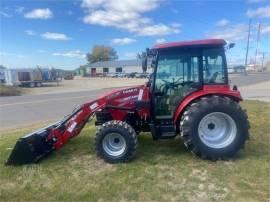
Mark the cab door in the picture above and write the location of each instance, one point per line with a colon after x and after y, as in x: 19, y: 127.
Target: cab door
x: 177, y: 75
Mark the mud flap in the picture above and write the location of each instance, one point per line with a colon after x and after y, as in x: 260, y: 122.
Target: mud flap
x: 31, y: 148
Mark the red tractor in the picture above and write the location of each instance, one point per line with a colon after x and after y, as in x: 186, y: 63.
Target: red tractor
x: 188, y: 94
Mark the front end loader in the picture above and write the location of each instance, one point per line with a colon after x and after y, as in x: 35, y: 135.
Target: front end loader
x: 188, y: 94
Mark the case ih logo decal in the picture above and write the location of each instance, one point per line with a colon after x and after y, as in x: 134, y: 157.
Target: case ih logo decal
x: 130, y: 97
x: 130, y: 90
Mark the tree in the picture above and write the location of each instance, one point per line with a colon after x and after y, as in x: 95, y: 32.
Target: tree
x: 101, y: 53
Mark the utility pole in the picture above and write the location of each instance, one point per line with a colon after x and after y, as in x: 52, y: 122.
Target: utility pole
x: 247, y: 46
x: 262, y: 59
x: 257, y: 44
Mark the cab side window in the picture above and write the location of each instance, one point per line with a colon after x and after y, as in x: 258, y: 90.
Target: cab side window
x: 213, y: 66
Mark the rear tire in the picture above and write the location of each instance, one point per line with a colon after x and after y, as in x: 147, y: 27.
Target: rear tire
x: 116, y: 142
x: 214, y: 127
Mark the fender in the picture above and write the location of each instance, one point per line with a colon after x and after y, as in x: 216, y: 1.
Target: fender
x: 223, y: 90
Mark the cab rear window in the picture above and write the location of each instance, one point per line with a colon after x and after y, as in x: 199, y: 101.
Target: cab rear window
x: 214, y: 66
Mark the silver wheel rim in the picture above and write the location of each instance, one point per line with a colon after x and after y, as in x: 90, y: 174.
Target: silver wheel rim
x: 217, y: 130
x: 114, y: 144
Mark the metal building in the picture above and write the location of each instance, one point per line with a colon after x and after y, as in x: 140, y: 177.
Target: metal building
x: 118, y: 66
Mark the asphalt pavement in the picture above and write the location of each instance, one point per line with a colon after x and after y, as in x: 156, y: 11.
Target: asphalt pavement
x: 249, y: 79
x: 20, y: 111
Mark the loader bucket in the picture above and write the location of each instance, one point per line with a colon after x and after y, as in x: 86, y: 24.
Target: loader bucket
x: 31, y: 148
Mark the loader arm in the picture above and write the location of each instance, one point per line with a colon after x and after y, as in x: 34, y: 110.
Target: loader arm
x: 37, y: 145
x: 72, y: 125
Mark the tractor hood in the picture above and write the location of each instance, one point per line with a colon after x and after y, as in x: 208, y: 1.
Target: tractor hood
x: 124, y: 97
x: 120, y: 102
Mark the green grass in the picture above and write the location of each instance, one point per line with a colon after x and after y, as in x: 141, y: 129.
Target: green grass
x: 9, y: 90
x: 162, y: 171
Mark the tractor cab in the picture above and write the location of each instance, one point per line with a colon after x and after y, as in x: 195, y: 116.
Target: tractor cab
x: 180, y: 69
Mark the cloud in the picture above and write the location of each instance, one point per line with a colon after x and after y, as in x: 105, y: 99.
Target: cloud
x: 39, y: 13
x: 71, y: 54
x: 255, y: 1
x: 262, y: 12
x: 265, y: 30
x: 232, y: 33
x: 161, y: 40
x: 120, y: 5
x: 55, y: 36
x: 6, y: 15
x: 157, y: 29
x: 11, y: 54
x: 126, y: 15
x: 222, y: 23
x: 123, y: 41
x: 30, y: 32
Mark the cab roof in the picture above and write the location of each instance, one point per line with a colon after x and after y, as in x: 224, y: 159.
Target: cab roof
x: 196, y: 43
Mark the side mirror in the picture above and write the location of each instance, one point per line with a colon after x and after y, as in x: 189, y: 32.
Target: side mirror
x: 144, y: 64
x: 231, y: 45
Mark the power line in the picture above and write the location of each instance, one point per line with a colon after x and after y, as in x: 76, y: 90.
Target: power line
x: 263, y: 59
x: 257, y: 43
x: 247, y: 49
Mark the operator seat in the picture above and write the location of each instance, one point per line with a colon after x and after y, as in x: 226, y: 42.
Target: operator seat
x: 213, y: 78
x: 180, y: 94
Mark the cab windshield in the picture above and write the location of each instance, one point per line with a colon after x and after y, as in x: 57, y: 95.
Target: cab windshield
x: 180, y: 72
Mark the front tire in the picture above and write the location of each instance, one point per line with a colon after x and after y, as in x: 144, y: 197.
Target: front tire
x: 116, y: 142
x: 214, y: 127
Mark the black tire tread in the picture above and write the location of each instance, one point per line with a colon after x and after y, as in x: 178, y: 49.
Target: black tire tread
x: 186, y: 122
x: 133, y: 142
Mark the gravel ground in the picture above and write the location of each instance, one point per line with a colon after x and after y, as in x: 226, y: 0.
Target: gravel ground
x: 89, y: 84
x: 84, y: 84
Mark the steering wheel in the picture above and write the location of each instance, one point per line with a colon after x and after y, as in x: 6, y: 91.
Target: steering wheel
x: 169, y: 85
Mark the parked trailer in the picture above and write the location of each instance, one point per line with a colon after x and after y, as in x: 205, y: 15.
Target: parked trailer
x: 2, y: 75
x: 11, y: 77
x: 29, y: 77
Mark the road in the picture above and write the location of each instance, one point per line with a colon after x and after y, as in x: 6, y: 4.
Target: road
x: 19, y: 111
x: 249, y: 79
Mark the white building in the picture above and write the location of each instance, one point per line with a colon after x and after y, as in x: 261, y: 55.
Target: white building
x: 119, y: 66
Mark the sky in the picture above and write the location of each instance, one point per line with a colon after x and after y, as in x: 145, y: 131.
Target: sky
x: 58, y: 34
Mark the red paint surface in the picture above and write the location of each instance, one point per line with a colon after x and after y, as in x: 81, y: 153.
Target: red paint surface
x: 205, y: 42
x: 121, y: 98
x: 207, y: 90
x: 127, y: 98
